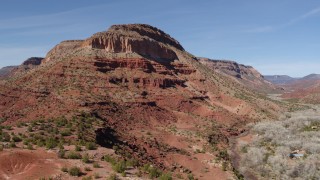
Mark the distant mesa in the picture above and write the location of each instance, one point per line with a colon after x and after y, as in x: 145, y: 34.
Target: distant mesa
x: 28, y: 64
x: 245, y: 75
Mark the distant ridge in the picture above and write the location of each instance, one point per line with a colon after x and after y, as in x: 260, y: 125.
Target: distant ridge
x: 279, y: 79
x: 285, y: 79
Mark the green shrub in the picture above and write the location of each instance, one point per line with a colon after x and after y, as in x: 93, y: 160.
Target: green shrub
x: 109, y: 159
x: 1, y: 147
x: 87, y: 178
x: 75, y: 171
x: 74, y: 155
x: 61, y: 153
x: 154, y: 172
x: 29, y: 146
x: 64, y: 169
x: 113, y: 177
x: 165, y: 176
x: 85, y: 158
x: 224, y: 166
x: 96, y: 165
x: 16, y: 138
x: 190, y: 177
x: 133, y: 163
x: 12, y: 144
x: 91, y: 146
x: 51, y: 143
x: 119, y: 167
x: 5, y: 137
x: 66, y: 132
x: 77, y: 148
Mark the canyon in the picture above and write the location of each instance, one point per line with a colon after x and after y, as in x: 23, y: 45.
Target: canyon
x: 151, y: 101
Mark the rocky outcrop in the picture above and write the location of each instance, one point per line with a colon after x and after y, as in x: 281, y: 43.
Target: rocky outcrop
x: 139, y: 38
x: 33, y: 61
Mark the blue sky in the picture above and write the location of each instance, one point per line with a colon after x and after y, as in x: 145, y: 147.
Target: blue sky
x: 274, y: 36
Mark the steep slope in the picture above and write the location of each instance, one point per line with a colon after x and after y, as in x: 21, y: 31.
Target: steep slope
x: 158, y: 103
x: 244, y: 75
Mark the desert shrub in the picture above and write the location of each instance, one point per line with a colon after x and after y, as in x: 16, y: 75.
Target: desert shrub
x: 91, y: 146
x: 74, y: 171
x: 85, y: 158
x: 133, y: 163
x: 12, y: 144
x: 119, y: 167
x: 223, y: 155
x: 190, y: 177
x: 30, y: 147
x: 88, y: 178
x: 113, y: 177
x: 16, y: 138
x: 51, y: 143
x: 5, y: 137
x: 109, y: 159
x: 61, y: 153
x: 77, y: 148
x: 64, y: 169
x: 154, y: 172
x: 165, y: 176
x: 96, y: 165
x: 1, y: 147
x: 74, y: 155
x: 66, y: 132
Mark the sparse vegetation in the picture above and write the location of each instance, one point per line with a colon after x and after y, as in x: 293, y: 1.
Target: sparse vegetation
x: 269, y: 153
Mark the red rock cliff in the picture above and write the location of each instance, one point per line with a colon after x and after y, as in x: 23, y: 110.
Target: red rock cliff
x: 139, y: 38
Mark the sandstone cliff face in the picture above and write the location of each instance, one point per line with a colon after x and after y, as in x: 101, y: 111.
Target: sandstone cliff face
x: 142, y: 39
